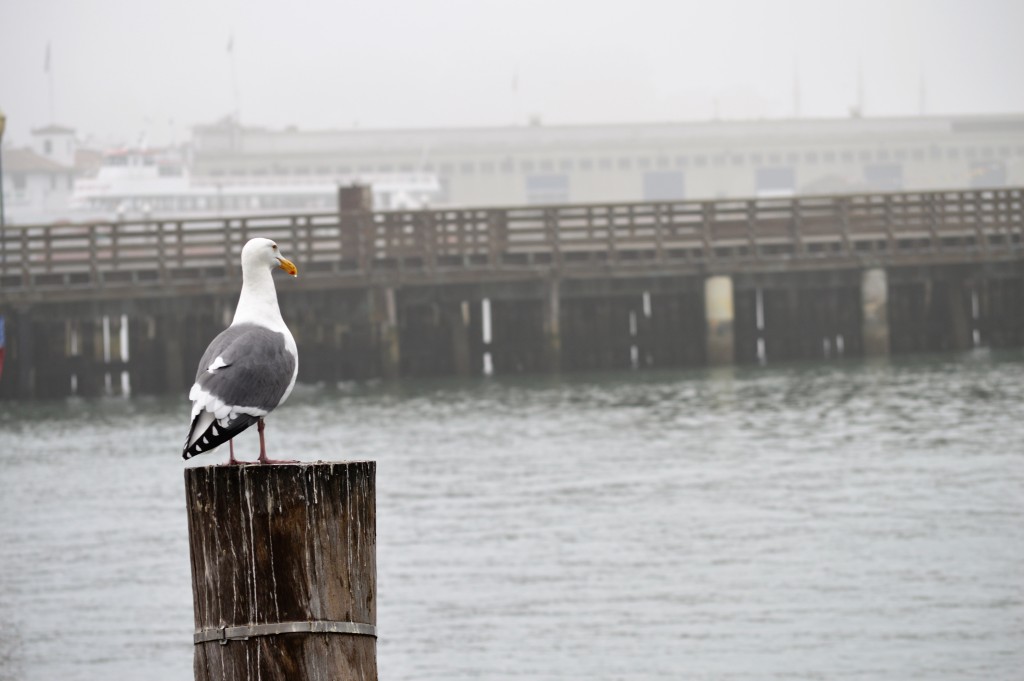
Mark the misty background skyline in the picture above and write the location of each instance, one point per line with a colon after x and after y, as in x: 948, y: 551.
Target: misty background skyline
x: 124, y: 72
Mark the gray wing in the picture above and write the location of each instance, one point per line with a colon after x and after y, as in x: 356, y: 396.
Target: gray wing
x: 255, y: 368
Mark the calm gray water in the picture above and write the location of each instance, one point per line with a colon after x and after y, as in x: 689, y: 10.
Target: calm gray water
x: 842, y: 521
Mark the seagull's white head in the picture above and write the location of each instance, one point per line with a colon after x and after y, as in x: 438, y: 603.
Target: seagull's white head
x: 265, y: 252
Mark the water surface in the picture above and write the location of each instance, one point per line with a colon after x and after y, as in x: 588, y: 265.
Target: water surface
x: 831, y: 521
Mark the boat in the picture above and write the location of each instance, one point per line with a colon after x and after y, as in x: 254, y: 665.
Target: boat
x: 150, y: 183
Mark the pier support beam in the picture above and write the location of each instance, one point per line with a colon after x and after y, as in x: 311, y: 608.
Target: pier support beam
x: 457, y: 320
x: 718, y: 311
x: 959, y: 314
x: 284, y: 571
x: 25, y: 357
x: 874, y: 296
x: 552, y: 327
x: 384, y: 315
x: 172, y: 351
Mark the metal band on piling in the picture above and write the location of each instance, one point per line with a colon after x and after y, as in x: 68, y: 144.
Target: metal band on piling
x: 241, y: 633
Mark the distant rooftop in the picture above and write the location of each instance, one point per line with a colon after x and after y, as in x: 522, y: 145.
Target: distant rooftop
x: 227, y: 136
x: 24, y: 160
x: 53, y: 130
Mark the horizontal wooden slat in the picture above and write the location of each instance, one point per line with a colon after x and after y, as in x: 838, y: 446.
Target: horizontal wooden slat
x: 746, y: 231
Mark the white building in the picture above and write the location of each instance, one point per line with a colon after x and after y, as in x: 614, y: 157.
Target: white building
x: 38, y: 180
x: 627, y: 162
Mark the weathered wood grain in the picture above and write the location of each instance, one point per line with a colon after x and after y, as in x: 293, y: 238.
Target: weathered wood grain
x: 284, y: 543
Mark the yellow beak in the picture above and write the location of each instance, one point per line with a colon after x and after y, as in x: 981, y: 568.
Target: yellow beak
x: 288, y: 266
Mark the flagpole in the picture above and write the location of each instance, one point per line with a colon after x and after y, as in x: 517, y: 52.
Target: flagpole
x: 49, y: 79
x: 234, y: 79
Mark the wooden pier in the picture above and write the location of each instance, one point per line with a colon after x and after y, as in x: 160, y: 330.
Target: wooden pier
x: 93, y: 308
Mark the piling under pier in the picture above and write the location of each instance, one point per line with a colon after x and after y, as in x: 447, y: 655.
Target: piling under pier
x: 535, y: 326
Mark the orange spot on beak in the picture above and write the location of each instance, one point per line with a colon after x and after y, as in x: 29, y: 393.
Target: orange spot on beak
x: 288, y: 266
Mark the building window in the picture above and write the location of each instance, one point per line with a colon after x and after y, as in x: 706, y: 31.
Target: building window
x: 586, y: 163
x: 487, y: 167
x: 917, y: 154
x: 884, y: 177
x: 547, y: 165
x: 829, y: 157
x: 719, y: 160
x: 547, y: 188
x: 643, y: 163
x: 526, y: 166
x: 847, y: 157
x: 792, y: 158
x: 467, y: 168
x: 700, y: 160
x: 508, y: 166
x: 864, y: 155
x: 605, y: 164
x: 565, y: 165
x: 446, y: 168
x: 47, y: 147
x: 775, y: 181
x: 952, y: 153
x: 625, y: 164
x: 664, y: 185
x: 988, y: 174
x: 883, y: 155
x: 901, y: 155
x: 682, y: 161
x: 18, y: 180
x: 662, y: 161
x: 811, y: 157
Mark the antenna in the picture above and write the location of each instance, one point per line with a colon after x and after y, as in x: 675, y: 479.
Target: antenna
x: 48, y: 70
x: 860, y: 87
x: 234, y: 79
x: 796, y: 87
x: 922, y: 95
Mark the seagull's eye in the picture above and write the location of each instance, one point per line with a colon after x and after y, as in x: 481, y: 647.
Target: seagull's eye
x: 275, y: 247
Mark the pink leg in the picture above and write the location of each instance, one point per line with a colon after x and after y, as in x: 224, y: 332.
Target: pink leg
x: 231, y: 447
x: 263, y: 448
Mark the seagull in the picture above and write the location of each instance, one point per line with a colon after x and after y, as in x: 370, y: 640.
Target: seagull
x: 250, y: 368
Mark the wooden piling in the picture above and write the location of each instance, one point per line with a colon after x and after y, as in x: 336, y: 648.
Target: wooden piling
x: 287, y: 548
x: 718, y: 310
x: 875, y: 306
x: 552, y: 327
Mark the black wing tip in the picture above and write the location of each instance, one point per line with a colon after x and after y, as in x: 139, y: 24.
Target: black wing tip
x: 213, y: 441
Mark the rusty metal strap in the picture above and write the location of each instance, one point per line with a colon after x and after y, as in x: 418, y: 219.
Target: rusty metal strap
x: 241, y: 633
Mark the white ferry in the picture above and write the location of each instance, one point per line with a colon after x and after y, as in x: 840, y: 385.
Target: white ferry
x: 135, y: 183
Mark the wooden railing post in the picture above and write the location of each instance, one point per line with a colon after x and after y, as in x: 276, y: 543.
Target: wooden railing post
x: 283, y: 571
x: 93, y: 256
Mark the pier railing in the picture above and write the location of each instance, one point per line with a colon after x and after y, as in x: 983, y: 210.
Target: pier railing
x: 723, y: 234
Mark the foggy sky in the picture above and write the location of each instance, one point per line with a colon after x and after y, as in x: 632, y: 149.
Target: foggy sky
x: 124, y: 69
